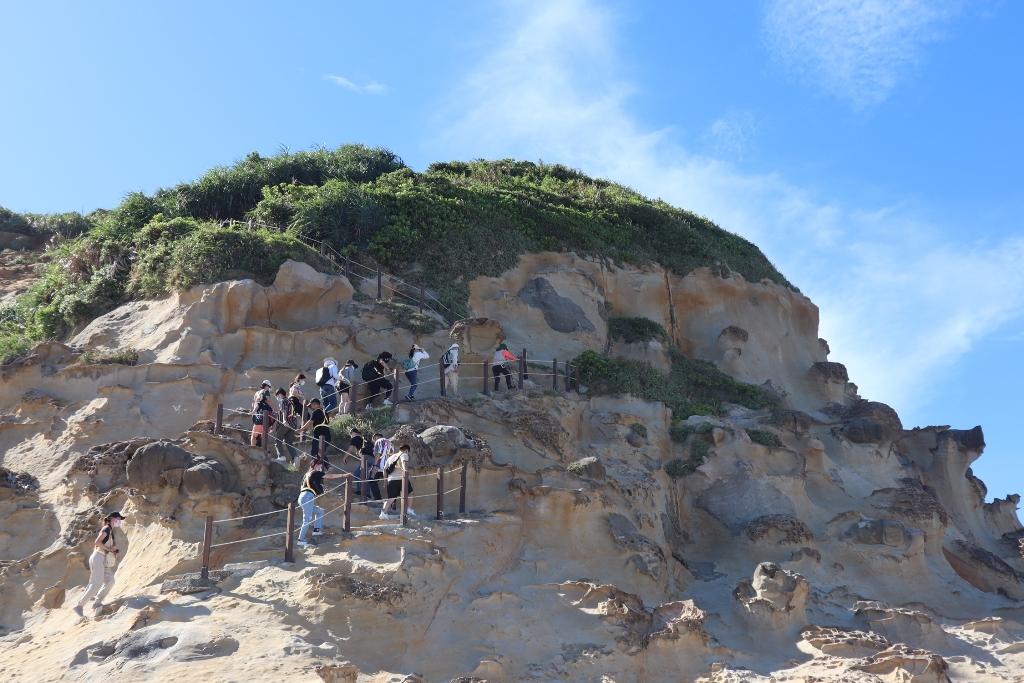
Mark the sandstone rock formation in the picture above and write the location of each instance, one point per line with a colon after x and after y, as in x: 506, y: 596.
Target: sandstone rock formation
x: 848, y: 548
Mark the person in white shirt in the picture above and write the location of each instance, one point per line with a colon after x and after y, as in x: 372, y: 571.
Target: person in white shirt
x: 450, y: 363
x: 411, y: 365
x: 398, y: 464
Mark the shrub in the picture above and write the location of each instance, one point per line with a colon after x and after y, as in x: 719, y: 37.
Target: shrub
x: 639, y: 429
x: 677, y: 468
x: 367, y: 422
x: 11, y: 221
x: 410, y: 318
x: 577, y: 467
x: 692, y: 387
x: 765, y: 438
x: 631, y: 330
x: 122, y: 356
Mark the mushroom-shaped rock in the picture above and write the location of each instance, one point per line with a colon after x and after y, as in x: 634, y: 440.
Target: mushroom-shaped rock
x: 871, y: 422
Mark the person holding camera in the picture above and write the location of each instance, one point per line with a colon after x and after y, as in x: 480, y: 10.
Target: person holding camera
x: 102, y: 563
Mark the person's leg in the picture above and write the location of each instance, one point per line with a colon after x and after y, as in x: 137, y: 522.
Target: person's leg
x: 455, y: 382
x: 411, y: 375
x: 314, y: 449
x: 496, y: 373
x: 96, y: 577
x: 293, y: 452
x: 307, y: 505
x: 508, y: 377
x: 387, y: 389
x: 375, y: 488
x: 254, y: 436
x: 318, y: 520
x: 108, y: 583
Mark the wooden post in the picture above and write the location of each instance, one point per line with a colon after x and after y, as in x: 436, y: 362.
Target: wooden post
x: 348, y: 504
x: 554, y: 374
x: 394, y: 390
x: 266, y: 434
x: 440, y: 367
x: 364, y: 486
x: 440, y: 492
x: 526, y: 366
x: 405, y: 498
x: 380, y: 285
x: 289, y: 538
x: 207, y: 540
x: 353, y: 398
x: 487, y: 384
x: 219, y: 427
x: 462, y: 489
x: 322, y: 453
x: 568, y: 376
x: 522, y: 369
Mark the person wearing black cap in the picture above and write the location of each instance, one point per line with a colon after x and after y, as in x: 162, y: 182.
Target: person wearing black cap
x: 102, y: 563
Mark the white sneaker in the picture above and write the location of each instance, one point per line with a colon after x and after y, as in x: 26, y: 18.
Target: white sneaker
x: 384, y: 515
x: 411, y: 513
x: 387, y: 402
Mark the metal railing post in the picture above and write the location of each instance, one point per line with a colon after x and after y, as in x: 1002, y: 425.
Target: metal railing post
x: 380, y: 285
x: 289, y: 538
x: 522, y: 369
x: 394, y: 389
x: 204, y: 573
x: 554, y: 374
x: 487, y: 371
x: 348, y: 504
x: 219, y: 425
x: 526, y: 366
x: 462, y: 489
x: 440, y: 492
x: 568, y: 376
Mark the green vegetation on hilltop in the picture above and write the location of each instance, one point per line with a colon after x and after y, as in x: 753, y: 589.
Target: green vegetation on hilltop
x: 439, y: 229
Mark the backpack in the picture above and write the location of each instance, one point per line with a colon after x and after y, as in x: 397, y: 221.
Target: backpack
x: 446, y: 359
x: 370, y: 372
x: 322, y: 376
x: 409, y: 364
x: 391, y: 468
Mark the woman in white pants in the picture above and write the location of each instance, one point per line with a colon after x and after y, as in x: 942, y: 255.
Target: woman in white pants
x: 102, y: 563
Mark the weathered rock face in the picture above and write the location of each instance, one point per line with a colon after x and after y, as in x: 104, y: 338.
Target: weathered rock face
x: 832, y: 546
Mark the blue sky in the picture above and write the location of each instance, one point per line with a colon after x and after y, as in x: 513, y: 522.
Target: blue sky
x: 870, y: 148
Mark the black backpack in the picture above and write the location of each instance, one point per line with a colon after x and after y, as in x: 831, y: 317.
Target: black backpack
x: 322, y: 376
x: 371, y: 371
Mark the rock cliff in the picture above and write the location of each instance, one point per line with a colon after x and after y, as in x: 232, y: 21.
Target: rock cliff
x: 605, y: 538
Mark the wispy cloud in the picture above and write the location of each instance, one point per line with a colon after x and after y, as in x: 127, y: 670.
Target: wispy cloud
x: 731, y: 135
x: 900, y: 298
x: 368, y: 88
x: 857, y: 50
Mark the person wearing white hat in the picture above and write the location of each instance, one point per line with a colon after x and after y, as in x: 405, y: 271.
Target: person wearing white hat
x: 450, y: 363
x: 262, y: 413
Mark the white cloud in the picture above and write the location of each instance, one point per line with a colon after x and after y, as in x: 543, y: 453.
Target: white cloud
x: 368, y: 88
x: 730, y: 135
x: 856, y: 50
x: 900, y: 300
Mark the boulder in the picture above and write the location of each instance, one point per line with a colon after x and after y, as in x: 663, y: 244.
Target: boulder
x: 162, y: 464
x: 444, y: 441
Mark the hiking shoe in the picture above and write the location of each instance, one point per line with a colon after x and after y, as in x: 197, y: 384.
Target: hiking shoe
x: 387, y: 402
x: 410, y: 398
x: 384, y: 515
x: 77, y: 609
x: 307, y: 544
x: 318, y: 532
x: 411, y: 513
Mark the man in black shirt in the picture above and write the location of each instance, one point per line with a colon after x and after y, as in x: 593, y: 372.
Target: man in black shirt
x: 317, y: 422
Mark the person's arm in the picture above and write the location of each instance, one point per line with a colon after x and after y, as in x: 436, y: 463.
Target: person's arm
x: 303, y: 427
x: 339, y: 475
